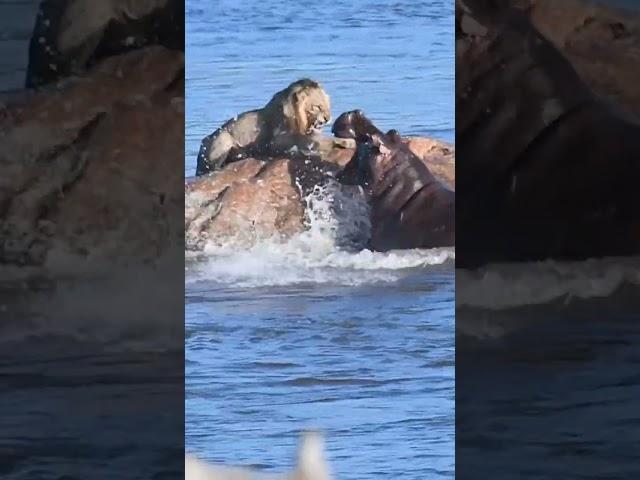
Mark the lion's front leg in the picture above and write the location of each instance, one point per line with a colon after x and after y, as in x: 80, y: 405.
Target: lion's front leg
x: 327, y: 145
x: 214, y: 151
x: 292, y: 145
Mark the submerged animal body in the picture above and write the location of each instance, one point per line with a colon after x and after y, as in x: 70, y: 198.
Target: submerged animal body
x: 287, y: 124
x: 410, y: 208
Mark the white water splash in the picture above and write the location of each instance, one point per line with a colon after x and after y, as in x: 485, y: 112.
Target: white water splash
x: 329, y: 251
x: 503, y: 286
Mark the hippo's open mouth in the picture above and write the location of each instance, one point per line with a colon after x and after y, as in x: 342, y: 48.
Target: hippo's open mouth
x: 346, y: 126
x: 356, y: 126
x: 370, y: 150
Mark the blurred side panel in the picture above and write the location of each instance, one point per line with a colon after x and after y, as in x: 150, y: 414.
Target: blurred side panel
x: 548, y: 237
x: 91, y: 239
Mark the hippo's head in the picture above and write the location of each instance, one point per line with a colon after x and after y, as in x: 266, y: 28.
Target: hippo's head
x: 375, y: 153
x: 377, y: 156
x: 354, y: 125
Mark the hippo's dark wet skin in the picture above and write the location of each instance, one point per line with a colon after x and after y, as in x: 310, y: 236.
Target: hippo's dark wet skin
x: 410, y: 208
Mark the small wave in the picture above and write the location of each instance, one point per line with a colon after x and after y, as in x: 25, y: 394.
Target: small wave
x: 274, y: 264
x: 272, y: 365
x: 333, y: 382
x: 329, y: 251
x: 503, y: 286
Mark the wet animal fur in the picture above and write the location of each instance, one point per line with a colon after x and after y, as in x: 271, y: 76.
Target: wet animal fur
x: 289, y: 121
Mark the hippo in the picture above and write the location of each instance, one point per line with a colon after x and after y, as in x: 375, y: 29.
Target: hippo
x: 410, y: 207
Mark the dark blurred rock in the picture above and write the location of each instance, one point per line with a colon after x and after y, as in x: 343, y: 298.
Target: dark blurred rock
x: 92, y: 166
x: 547, y: 169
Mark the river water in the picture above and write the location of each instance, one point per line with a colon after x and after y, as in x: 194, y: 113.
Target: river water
x: 281, y: 338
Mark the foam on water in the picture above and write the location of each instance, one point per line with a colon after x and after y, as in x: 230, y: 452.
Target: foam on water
x: 503, y: 286
x: 329, y: 251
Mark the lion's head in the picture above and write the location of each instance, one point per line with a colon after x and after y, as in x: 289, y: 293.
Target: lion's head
x: 304, y: 107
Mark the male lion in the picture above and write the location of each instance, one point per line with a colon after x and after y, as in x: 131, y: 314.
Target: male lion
x: 289, y: 123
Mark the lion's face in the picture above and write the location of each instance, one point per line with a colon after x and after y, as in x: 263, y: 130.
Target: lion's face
x: 314, y: 110
x: 305, y: 106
